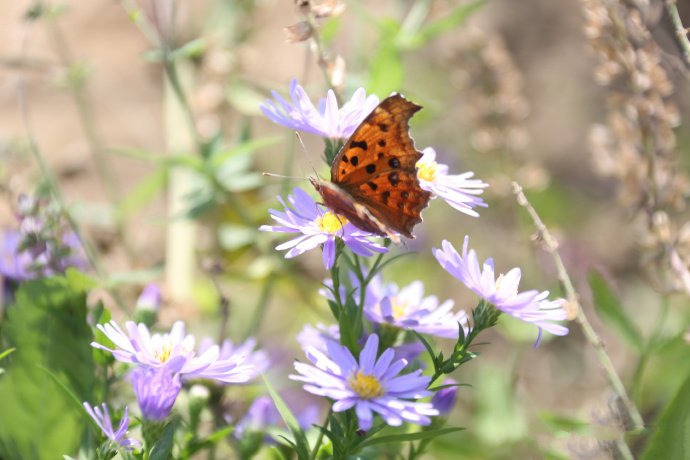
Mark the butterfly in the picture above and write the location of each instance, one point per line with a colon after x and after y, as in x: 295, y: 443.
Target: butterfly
x: 374, y: 181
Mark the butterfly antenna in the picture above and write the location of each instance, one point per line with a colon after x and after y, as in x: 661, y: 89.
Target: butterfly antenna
x: 306, y: 154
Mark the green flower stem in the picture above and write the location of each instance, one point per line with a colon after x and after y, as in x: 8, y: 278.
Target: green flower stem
x: 319, y: 439
x: 590, y: 334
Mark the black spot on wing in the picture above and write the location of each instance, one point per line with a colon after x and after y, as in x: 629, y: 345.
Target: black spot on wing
x: 394, y: 163
x: 354, y: 160
x: 394, y: 179
x: 359, y: 145
x: 371, y: 169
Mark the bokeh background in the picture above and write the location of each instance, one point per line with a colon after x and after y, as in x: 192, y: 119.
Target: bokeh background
x: 510, y: 93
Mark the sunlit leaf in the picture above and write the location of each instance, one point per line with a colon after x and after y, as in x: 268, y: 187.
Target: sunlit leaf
x: 300, y: 440
x: 672, y: 432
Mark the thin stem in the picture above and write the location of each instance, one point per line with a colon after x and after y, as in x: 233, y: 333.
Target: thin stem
x: 321, y: 57
x: 681, y: 31
x: 261, y: 305
x: 592, y: 337
x: 93, y: 135
x: 47, y: 174
x: 315, y: 451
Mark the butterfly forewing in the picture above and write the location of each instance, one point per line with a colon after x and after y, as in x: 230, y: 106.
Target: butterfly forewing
x: 376, y: 167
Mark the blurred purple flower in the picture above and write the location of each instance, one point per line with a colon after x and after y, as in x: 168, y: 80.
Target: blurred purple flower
x: 156, y: 389
x: 139, y: 346
x: 529, y: 306
x: 263, y: 414
x: 326, y: 120
x: 318, y: 336
x: 407, y: 308
x: 370, y: 385
x: 257, y: 359
x: 102, y: 419
x: 444, y: 399
x: 19, y: 264
x: 150, y: 298
x: 458, y: 190
x: 318, y: 226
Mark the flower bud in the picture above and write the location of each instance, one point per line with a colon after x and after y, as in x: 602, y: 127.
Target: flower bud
x: 444, y: 399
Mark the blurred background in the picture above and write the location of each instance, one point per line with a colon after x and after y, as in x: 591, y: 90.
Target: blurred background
x: 514, y: 91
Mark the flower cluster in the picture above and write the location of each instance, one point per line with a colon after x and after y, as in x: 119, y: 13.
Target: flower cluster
x: 386, y: 384
x: 164, y: 361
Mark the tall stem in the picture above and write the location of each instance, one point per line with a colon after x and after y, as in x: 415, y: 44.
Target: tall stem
x: 573, y: 300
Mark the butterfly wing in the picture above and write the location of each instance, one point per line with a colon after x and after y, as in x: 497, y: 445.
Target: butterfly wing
x: 377, y: 166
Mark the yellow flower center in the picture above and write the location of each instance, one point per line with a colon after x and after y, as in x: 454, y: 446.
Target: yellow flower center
x: 399, y: 308
x: 366, y: 386
x: 330, y: 222
x: 427, y: 170
x: 162, y: 354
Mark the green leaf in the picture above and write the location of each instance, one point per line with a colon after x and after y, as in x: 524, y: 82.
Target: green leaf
x: 300, y: 441
x: 671, y: 438
x: 445, y: 24
x: 611, y: 311
x: 47, y: 325
x: 162, y: 448
x: 6, y: 353
x: 142, y: 194
x: 386, y: 69
x: 407, y: 437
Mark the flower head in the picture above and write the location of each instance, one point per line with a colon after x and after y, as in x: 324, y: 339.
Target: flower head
x: 156, y: 390
x: 102, y: 418
x: 326, y: 120
x: 174, y: 351
x: 318, y: 226
x: 370, y: 385
x: 407, y: 308
x: 529, y: 306
x: 458, y: 190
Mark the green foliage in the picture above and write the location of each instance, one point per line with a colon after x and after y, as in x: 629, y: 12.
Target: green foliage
x: 671, y: 438
x: 299, y: 443
x: 44, y: 382
x: 611, y: 310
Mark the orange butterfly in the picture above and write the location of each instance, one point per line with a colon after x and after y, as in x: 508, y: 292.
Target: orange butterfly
x: 374, y: 181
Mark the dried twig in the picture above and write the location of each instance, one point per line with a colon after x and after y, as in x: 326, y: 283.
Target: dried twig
x: 592, y: 337
x: 681, y: 30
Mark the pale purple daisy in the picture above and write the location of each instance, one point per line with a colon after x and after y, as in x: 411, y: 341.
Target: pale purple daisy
x: 326, y: 120
x: 407, y: 308
x: 139, y: 346
x: 156, y: 389
x: 102, y: 418
x: 529, y: 306
x: 318, y: 226
x: 318, y: 336
x: 458, y: 190
x: 369, y: 385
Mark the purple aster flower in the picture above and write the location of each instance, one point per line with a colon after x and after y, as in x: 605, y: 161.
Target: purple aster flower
x: 139, y: 346
x: 458, y: 190
x: 102, y: 418
x: 407, y: 308
x: 444, y: 399
x: 529, y: 306
x: 326, y: 120
x: 156, y: 389
x: 244, y: 352
x: 369, y: 385
x: 318, y: 226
